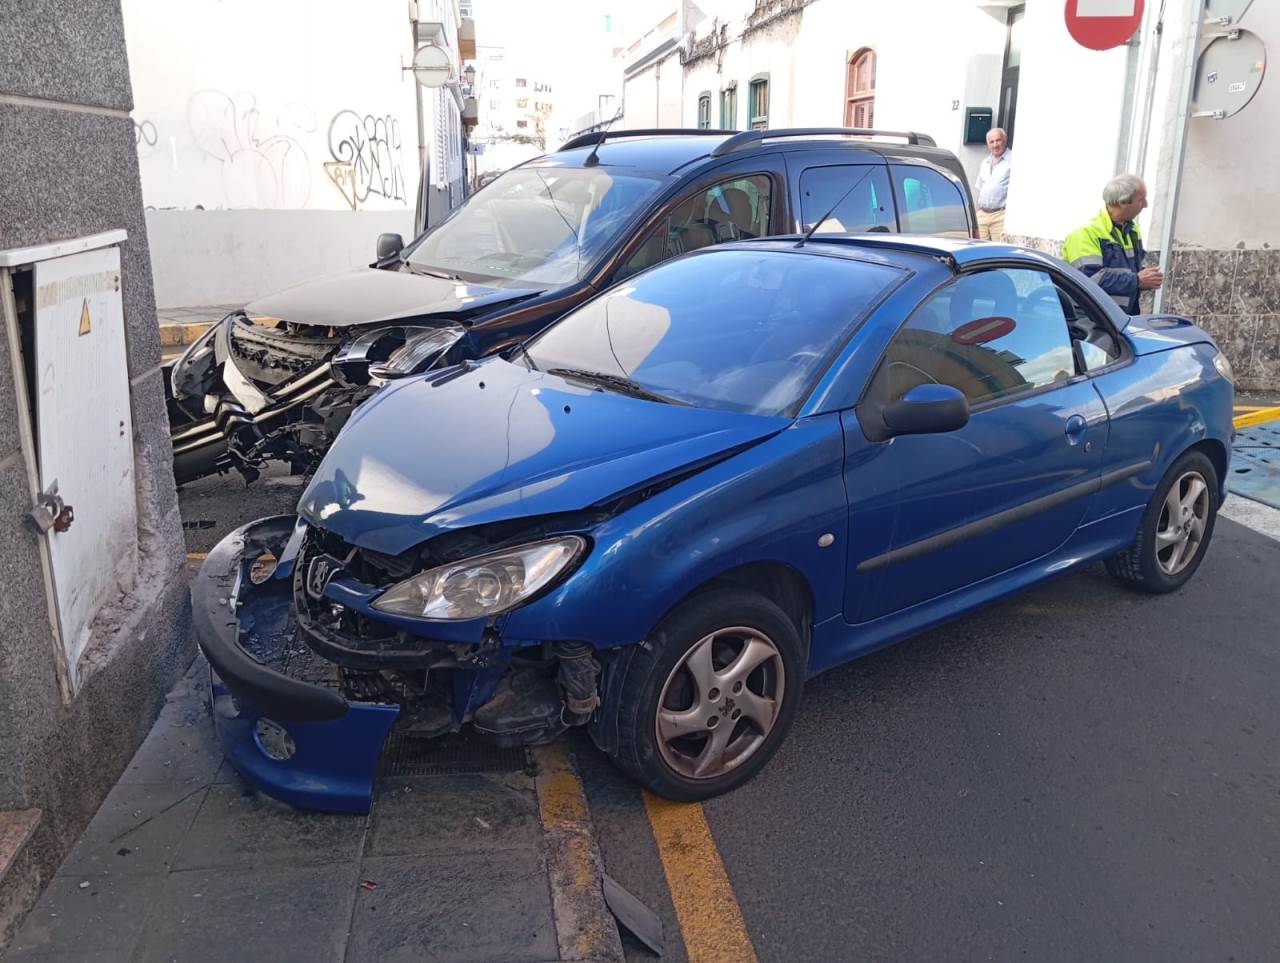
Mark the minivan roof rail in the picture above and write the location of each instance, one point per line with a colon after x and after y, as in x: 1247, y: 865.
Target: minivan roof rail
x: 749, y: 138
x: 599, y: 136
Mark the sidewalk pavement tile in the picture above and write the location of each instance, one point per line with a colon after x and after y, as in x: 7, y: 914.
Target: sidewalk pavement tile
x: 262, y: 914
x: 461, y: 908
x: 71, y: 921
x: 465, y: 812
x: 182, y: 748
x: 136, y: 831
x: 238, y: 828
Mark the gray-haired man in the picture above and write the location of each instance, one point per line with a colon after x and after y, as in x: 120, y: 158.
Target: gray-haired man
x: 1109, y: 248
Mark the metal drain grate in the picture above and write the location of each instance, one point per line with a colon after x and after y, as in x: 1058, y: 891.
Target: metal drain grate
x: 459, y: 752
x: 1255, y: 463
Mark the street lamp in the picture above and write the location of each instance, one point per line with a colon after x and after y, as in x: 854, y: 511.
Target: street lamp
x: 469, y: 75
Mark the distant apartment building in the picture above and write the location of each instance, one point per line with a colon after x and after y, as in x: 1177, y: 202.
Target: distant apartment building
x: 514, y: 106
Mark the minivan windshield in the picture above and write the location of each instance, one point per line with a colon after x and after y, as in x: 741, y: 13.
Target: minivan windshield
x: 735, y: 329
x: 536, y: 226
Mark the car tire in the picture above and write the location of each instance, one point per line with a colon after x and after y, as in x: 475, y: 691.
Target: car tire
x: 695, y: 679
x: 1179, y: 518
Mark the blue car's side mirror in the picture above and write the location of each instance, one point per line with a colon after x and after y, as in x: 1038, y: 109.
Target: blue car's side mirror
x: 389, y: 244
x: 926, y: 410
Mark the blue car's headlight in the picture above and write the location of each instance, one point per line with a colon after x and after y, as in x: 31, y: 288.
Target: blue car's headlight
x: 1224, y: 367
x: 485, y: 585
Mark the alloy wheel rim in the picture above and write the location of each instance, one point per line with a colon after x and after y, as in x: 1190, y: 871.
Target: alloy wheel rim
x: 720, y: 702
x: 1184, y: 517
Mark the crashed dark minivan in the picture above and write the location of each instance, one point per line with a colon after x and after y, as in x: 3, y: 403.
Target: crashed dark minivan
x: 277, y: 379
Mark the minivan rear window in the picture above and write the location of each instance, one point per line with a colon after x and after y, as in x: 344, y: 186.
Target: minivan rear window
x: 928, y: 203
x: 868, y: 207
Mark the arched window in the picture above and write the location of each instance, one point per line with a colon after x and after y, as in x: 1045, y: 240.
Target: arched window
x: 860, y: 89
x: 704, y: 110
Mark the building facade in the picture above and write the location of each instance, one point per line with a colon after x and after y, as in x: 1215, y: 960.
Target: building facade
x: 277, y: 141
x: 515, y: 104
x: 95, y: 609
x: 1075, y: 116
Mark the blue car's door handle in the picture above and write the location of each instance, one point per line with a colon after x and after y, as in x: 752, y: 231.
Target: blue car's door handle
x: 1076, y: 426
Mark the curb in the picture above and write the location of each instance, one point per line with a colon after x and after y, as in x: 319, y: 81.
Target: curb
x: 585, y: 929
x: 176, y: 334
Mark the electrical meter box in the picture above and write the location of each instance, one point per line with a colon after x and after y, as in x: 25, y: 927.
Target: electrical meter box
x: 977, y: 121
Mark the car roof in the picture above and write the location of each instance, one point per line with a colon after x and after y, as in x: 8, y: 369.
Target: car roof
x: 669, y: 151
x: 900, y: 249
x: 666, y: 154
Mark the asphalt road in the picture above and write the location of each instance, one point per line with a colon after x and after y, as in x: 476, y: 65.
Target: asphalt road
x: 1080, y: 772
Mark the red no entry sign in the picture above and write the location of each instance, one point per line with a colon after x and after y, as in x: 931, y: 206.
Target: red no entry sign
x: 1103, y: 24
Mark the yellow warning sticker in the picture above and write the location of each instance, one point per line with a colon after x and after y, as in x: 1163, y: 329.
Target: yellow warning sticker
x: 84, y: 317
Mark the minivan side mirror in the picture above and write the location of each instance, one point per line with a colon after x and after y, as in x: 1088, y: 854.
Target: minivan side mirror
x: 389, y: 245
x: 926, y: 410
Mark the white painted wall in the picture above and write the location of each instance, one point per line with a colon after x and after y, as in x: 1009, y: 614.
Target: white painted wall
x: 652, y: 97
x: 1231, y: 191
x: 252, y: 107
x: 1070, y: 107
x: 934, y: 59
x: 231, y: 257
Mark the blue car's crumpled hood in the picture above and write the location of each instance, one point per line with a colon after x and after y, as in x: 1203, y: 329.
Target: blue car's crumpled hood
x: 501, y: 442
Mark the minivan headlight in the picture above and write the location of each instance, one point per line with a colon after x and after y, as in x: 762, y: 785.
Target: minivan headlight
x: 186, y: 377
x: 420, y: 348
x: 484, y: 585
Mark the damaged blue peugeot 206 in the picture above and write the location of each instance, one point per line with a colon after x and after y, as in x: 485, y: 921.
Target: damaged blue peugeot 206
x: 660, y: 516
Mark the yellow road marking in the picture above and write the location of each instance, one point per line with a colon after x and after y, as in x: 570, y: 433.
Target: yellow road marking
x: 710, y: 918
x: 196, y: 556
x: 584, y: 928
x: 1257, y: 416
x: 1248, y: 407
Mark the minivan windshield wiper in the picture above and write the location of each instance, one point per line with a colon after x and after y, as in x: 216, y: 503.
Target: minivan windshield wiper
x: 415, y: 268
x: 618, y: 383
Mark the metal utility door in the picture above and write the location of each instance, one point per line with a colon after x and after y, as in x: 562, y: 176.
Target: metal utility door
x: 84, y: 435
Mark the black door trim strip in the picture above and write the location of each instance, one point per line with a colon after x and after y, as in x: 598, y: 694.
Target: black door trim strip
x: 1000, y: 519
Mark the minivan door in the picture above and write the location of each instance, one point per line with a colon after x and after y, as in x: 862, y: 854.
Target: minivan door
x: 854, y: 197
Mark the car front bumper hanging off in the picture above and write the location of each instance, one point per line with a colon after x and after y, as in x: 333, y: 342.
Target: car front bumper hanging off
x: 277, y: 708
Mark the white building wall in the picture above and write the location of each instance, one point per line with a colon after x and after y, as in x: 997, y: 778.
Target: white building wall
x: 950, y: 58
x: 1070, y: 109
x: 264, y: 112
x: 652, y: 96
x: 1231, y: 188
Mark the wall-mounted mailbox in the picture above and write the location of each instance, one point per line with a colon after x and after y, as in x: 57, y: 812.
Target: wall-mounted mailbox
x: 977, y: 121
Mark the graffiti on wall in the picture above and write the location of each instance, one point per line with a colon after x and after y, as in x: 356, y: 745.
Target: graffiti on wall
x: 145, y: 137
x: 367, y: 158
x: 263, y: 163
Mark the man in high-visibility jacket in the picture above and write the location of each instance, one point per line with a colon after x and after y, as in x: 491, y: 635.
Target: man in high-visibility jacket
x: 1109, y: 248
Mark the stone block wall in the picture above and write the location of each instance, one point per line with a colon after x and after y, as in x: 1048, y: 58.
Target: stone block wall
x: 71, y: 170
x: 1234, y: 295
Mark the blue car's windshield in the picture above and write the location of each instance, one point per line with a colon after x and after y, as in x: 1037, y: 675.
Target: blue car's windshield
x: 537, y: 226
x: 735, y: 329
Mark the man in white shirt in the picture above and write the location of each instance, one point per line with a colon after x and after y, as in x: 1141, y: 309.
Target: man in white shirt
x: 992, y: 187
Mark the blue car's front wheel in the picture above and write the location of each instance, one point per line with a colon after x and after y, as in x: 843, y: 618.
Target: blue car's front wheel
x: 710, y: 695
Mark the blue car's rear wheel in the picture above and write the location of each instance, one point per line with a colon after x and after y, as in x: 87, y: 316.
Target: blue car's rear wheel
x: 709, y: 697
x: 1176, y: 528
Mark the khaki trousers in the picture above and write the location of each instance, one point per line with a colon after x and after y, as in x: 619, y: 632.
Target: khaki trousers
x: 991, y: 225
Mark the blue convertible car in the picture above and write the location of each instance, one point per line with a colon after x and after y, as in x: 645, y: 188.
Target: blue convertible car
x: 733, y: 471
